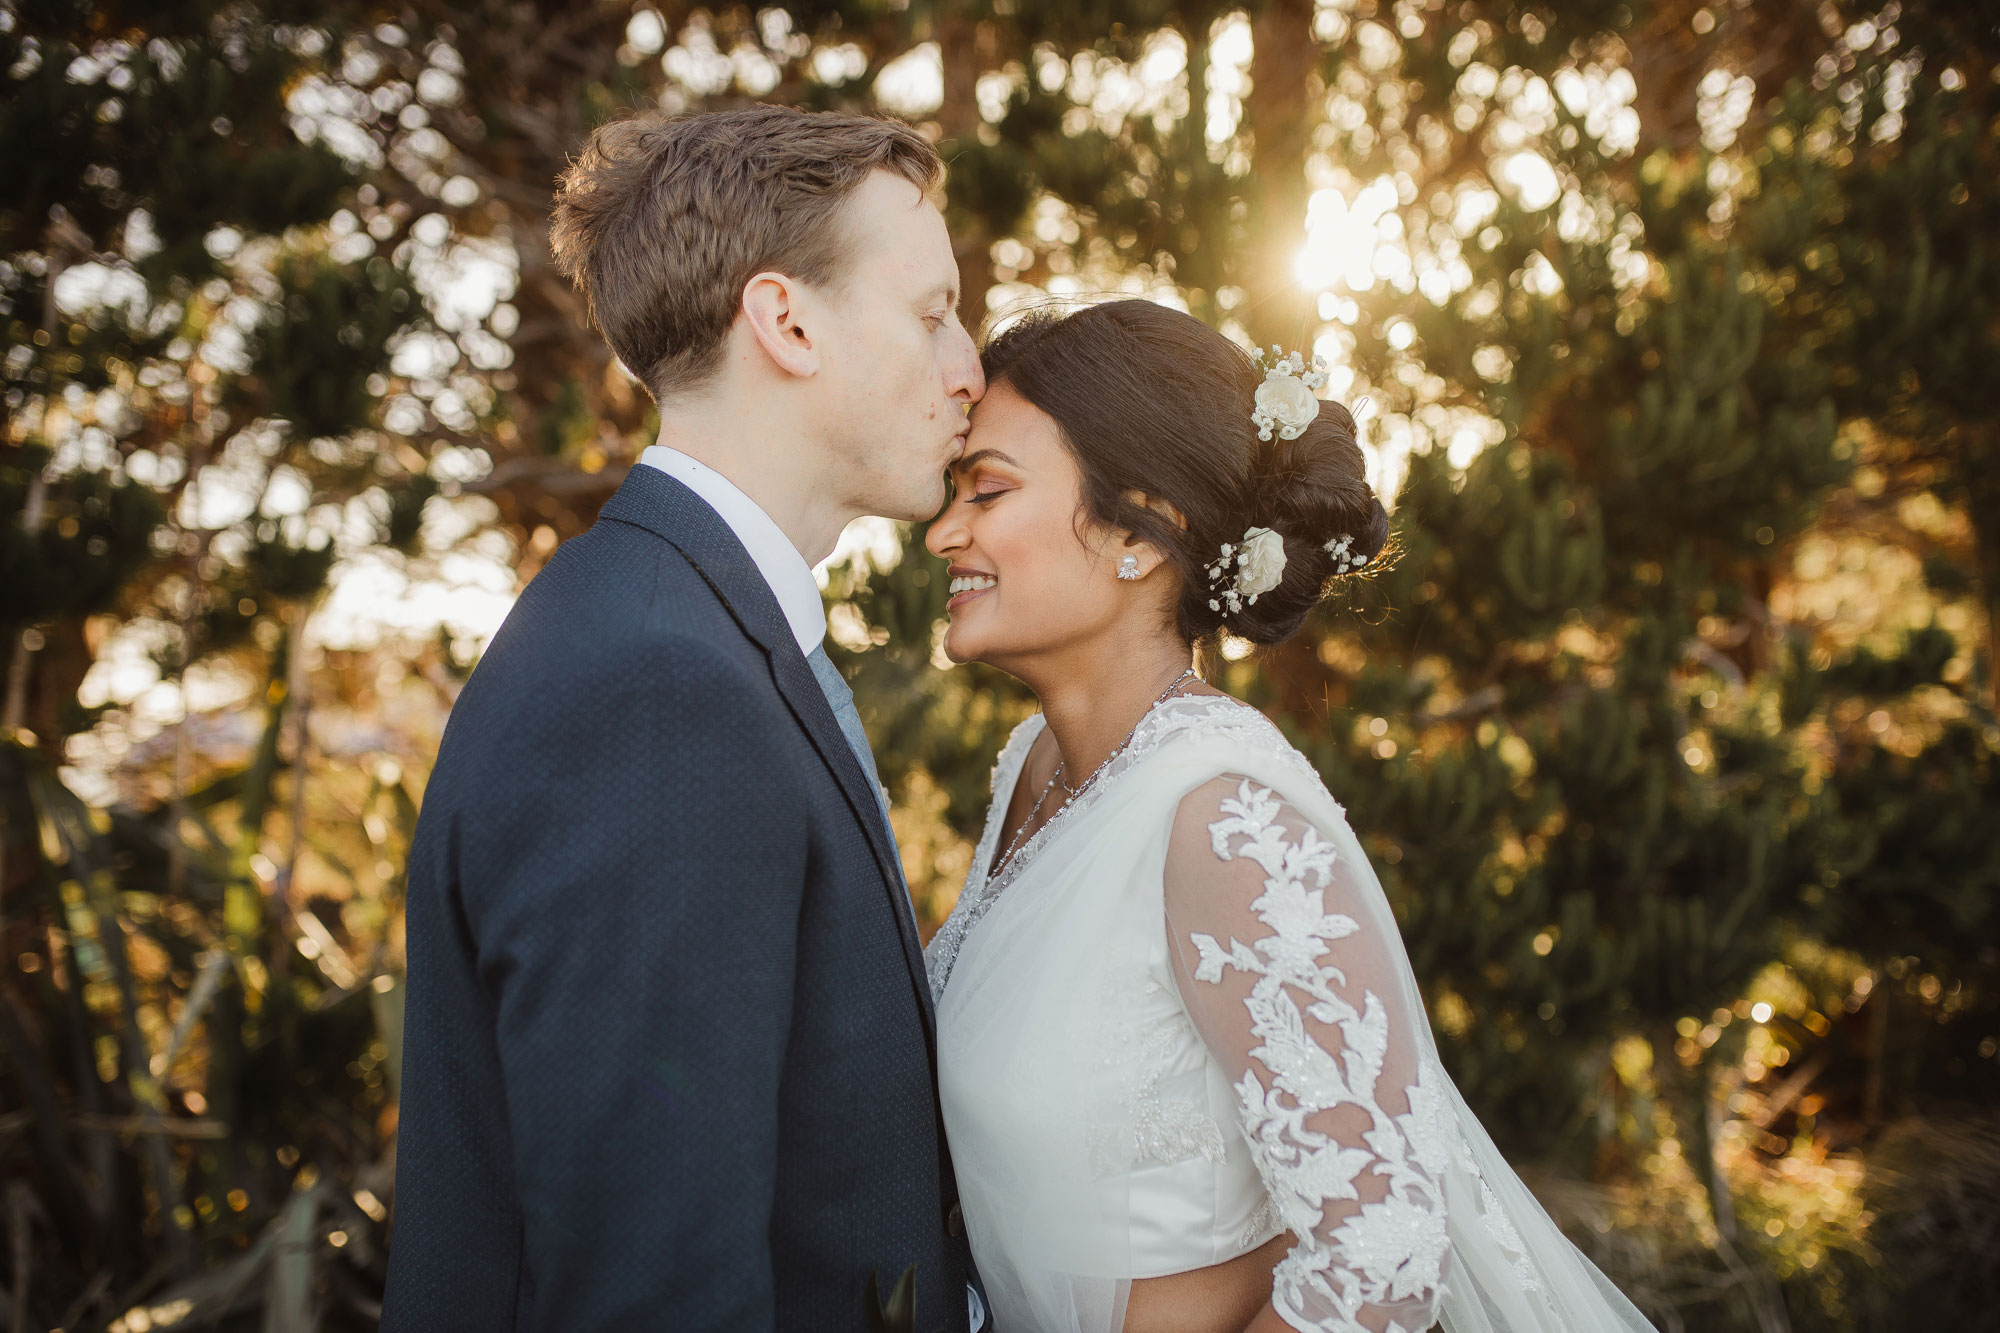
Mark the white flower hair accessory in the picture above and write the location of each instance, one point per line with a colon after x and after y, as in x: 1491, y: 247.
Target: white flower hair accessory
x: 1285, y: 401
x: 1259, y: 564
x: 1345, y: 560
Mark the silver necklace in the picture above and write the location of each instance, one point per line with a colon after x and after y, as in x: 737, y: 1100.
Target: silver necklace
x: 1014, y: 843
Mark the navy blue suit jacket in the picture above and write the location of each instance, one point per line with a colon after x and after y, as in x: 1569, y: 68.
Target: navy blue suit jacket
x: 669, y: 1060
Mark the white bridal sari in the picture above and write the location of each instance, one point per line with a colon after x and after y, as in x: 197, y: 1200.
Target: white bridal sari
x: 1180, y: 1022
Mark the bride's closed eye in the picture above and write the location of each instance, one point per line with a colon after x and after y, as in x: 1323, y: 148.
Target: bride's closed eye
x: 979, y: 490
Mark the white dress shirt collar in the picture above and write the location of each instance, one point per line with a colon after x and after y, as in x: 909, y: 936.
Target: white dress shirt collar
x: 784, y: 569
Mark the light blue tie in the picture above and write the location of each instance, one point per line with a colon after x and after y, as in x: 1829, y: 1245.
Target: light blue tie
x: 844, y: 712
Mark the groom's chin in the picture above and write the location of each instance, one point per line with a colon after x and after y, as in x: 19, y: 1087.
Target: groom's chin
x: 915, y: 508
x: 927, y: 507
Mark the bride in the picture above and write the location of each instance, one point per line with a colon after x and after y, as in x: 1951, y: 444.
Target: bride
x: 1187, y: 1077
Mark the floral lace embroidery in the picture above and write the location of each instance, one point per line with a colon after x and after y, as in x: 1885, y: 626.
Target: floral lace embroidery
x: 943, y: 949
x: 1502, y: 1230
x: 1389, y: 1253
x: 1135, y: 1124
x: 1187, y: 714
x: 1266, y: 1220
x: 1441, y: 1144
x: 1166, y: 1130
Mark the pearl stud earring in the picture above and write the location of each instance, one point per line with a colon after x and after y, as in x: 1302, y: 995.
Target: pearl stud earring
x: 1128, y: 567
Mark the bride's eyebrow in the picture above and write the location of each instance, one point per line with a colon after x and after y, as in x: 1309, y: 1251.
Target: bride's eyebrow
x: 974, y: 459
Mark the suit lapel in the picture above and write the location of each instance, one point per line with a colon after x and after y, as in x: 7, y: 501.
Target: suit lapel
x: 652, y: 500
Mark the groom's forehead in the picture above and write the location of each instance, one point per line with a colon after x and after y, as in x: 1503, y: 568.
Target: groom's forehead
x: 894, y: 224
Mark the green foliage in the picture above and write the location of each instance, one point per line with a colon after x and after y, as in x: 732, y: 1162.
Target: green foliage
x: 329, y: 331
x: 1926, y: 652
x: 185, y: 1055
x: 96, y: 148
x: 404, y: 523
x: 1918, y: 867
x: 1507, y: 546
x: 95, y: 534
x: 1933, y: 1222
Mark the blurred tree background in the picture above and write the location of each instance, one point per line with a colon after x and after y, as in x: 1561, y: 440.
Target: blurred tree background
x: 1672, y: 731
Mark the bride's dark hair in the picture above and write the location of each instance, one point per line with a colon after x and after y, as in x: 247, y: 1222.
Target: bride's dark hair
x: 1153, y: 401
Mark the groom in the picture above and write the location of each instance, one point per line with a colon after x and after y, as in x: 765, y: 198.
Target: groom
x: 668, y: 1055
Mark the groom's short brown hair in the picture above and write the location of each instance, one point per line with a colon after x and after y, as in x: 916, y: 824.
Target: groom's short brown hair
x: 663, y: 219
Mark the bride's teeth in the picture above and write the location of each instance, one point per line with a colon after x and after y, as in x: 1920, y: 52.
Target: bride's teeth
x: 971, y: 583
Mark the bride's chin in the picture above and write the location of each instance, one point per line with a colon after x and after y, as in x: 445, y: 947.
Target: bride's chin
x: 958, y: 653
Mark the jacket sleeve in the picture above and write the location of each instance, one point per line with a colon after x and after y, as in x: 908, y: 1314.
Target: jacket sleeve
x: 637, y: 931
x: 1300, y: 1005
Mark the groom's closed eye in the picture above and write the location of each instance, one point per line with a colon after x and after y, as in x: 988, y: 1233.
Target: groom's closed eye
x: 938, y: 305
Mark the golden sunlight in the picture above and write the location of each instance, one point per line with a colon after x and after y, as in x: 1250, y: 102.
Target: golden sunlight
x: 1342, y: 238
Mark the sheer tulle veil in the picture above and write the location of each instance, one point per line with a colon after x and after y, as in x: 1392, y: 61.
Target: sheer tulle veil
x: 1055, y: 1236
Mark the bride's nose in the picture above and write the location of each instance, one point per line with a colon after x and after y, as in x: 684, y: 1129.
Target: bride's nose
x: 947, y: 534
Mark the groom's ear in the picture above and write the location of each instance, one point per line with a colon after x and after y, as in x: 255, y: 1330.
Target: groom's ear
x: 775, y: 307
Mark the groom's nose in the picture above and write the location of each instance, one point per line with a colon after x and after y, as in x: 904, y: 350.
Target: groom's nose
x: 964, y: 377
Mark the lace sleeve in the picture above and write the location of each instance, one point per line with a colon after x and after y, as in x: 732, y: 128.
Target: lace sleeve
x: 1300, y: 1005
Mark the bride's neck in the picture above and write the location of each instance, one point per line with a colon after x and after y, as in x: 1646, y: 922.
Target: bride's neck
x: 1095, y: 696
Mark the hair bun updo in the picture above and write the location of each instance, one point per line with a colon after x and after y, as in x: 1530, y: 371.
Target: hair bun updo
x: 1153, y: 401
x: 1311, y: 491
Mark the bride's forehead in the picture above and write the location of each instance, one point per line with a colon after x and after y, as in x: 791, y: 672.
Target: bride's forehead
x: 1004, y: 414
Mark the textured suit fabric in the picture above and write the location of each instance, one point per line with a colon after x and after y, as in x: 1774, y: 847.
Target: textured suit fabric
x: 668, y: 1049
x: 844, y: 712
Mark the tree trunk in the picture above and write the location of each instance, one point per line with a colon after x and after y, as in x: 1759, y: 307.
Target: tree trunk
x: 967, y: 46
x: 1980, y: 466
x: 1668, y: 60
x: 1280, y: 114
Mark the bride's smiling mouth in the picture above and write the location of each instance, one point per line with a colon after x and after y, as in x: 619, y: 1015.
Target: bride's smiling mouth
x: 967, y: 584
